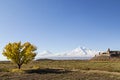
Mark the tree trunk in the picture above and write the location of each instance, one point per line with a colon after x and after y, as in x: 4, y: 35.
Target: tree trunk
x: 19, y: 66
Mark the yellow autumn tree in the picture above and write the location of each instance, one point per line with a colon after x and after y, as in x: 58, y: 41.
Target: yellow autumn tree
x: 20, y: 53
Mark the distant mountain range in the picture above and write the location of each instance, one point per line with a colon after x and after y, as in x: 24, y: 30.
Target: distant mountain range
x: 77, y: 53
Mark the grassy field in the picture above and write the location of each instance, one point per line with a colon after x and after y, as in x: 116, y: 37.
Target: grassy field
x: 61, y: 70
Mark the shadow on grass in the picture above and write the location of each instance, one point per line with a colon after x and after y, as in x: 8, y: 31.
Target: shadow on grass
x: 47, y: 70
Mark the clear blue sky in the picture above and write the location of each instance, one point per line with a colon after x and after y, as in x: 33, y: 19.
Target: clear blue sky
x: 59, y: 25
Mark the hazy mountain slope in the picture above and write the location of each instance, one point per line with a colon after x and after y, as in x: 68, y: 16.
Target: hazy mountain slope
x: 79, y: 52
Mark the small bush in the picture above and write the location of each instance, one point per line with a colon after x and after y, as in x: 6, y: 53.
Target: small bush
x: 17, y: 70
x: 4, y: 70
x: 36, y: 67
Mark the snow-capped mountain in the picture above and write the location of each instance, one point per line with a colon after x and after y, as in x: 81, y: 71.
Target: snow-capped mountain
x: 79, y: 52
x: 46, y: 53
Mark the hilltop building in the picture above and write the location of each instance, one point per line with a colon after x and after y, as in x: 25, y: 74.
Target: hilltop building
x: 107, y: 55
x: 110, y: 53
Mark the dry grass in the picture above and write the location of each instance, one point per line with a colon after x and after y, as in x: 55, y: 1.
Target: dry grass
x: 61, y: 70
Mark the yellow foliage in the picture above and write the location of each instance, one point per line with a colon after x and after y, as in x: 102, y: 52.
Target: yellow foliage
x: 20, y: 53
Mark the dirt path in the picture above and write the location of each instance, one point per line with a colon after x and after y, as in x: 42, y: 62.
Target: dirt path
x: 98, y: 71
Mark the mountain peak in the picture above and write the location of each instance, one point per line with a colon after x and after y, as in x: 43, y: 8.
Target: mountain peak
x: 77, y: 52
x: 46, y: 52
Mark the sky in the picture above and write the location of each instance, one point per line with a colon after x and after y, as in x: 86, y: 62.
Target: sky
x: 60, y: 25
